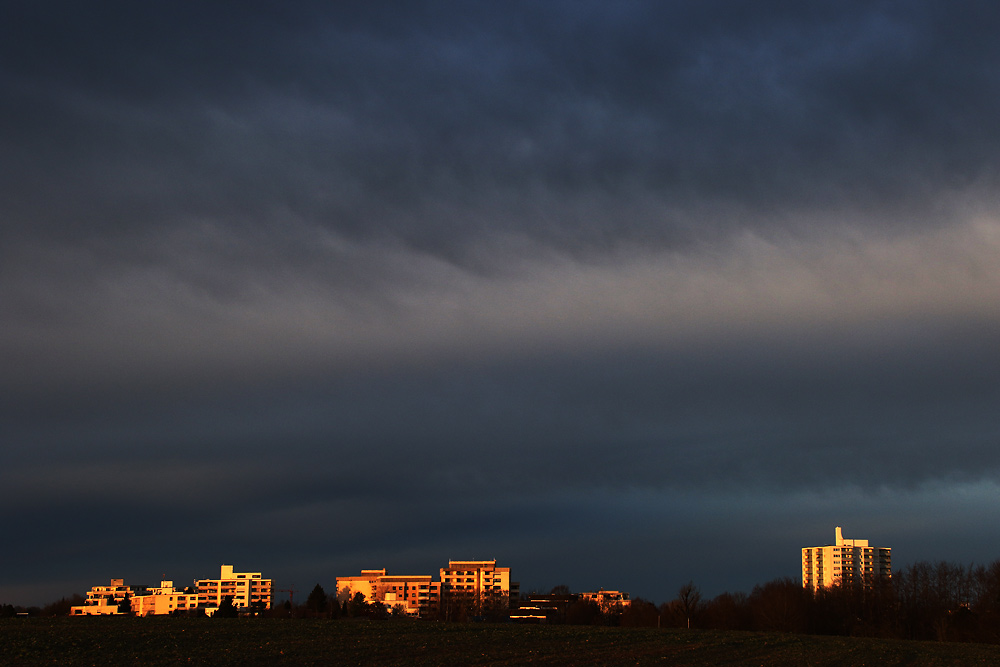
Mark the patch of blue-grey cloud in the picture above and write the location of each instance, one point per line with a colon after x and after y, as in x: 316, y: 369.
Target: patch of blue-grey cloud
x: 476, y: 120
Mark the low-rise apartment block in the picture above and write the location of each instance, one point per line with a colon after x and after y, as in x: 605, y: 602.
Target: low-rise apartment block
x: 105, y: 600
x: 568, y: 607
x: 417, y: 594
x: 607, y: 600
x: 543, y: 608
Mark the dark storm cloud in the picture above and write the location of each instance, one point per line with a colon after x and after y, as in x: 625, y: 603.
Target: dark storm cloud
x: 759, y: 414
x: 423, y: 274
x: 437, y: 125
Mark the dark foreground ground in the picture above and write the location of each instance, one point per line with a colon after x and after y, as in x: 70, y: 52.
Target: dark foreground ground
x: 194, y: 641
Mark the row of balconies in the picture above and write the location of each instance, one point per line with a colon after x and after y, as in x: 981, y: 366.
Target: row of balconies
x: 231, y: 584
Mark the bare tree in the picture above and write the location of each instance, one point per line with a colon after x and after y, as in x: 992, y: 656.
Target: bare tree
x: 688, y: 602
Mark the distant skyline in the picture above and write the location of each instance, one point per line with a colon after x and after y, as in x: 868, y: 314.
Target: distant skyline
x: 621, y: 295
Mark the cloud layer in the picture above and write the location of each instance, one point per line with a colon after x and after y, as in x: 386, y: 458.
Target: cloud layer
x: 393, y: 285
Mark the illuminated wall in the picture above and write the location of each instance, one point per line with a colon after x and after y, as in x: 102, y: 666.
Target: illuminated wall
x: 848, y: 561
x: 420, y: 595
x: 245, y: 589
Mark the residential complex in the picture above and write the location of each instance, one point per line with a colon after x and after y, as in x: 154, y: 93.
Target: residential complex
x: 462, y: 582
x: 246, y: 590
x: 105, y: 600
x: 417, y: 594
x: 543, y: 608
x: 476, y: 577
x: 465, y: 589
x: 847, y: 561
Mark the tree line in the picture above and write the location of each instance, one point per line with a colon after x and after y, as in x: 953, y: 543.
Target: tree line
x: 923, y: 601
x: 456, y: 607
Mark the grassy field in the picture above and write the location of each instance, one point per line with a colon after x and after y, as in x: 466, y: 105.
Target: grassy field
x: 194, y: 641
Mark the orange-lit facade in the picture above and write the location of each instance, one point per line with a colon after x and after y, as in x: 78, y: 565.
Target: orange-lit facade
x: 416, y: 594
x: 245, y: 589
x: 164, y: 600
x: 366, y: 583
x: 420, y: 595
x: 847, y: 561
x: 104, y: 600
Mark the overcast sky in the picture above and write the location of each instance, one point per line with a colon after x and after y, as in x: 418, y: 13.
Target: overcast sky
x: 620, y: 294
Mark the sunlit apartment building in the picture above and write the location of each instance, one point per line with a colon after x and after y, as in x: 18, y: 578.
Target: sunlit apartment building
x: 245, y: 589
x: 164, y: 599
x: 419, y: 595
x: 477, y: 586
x: 475, y: 577
x: 104, y: 600
x: 847, y: 561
